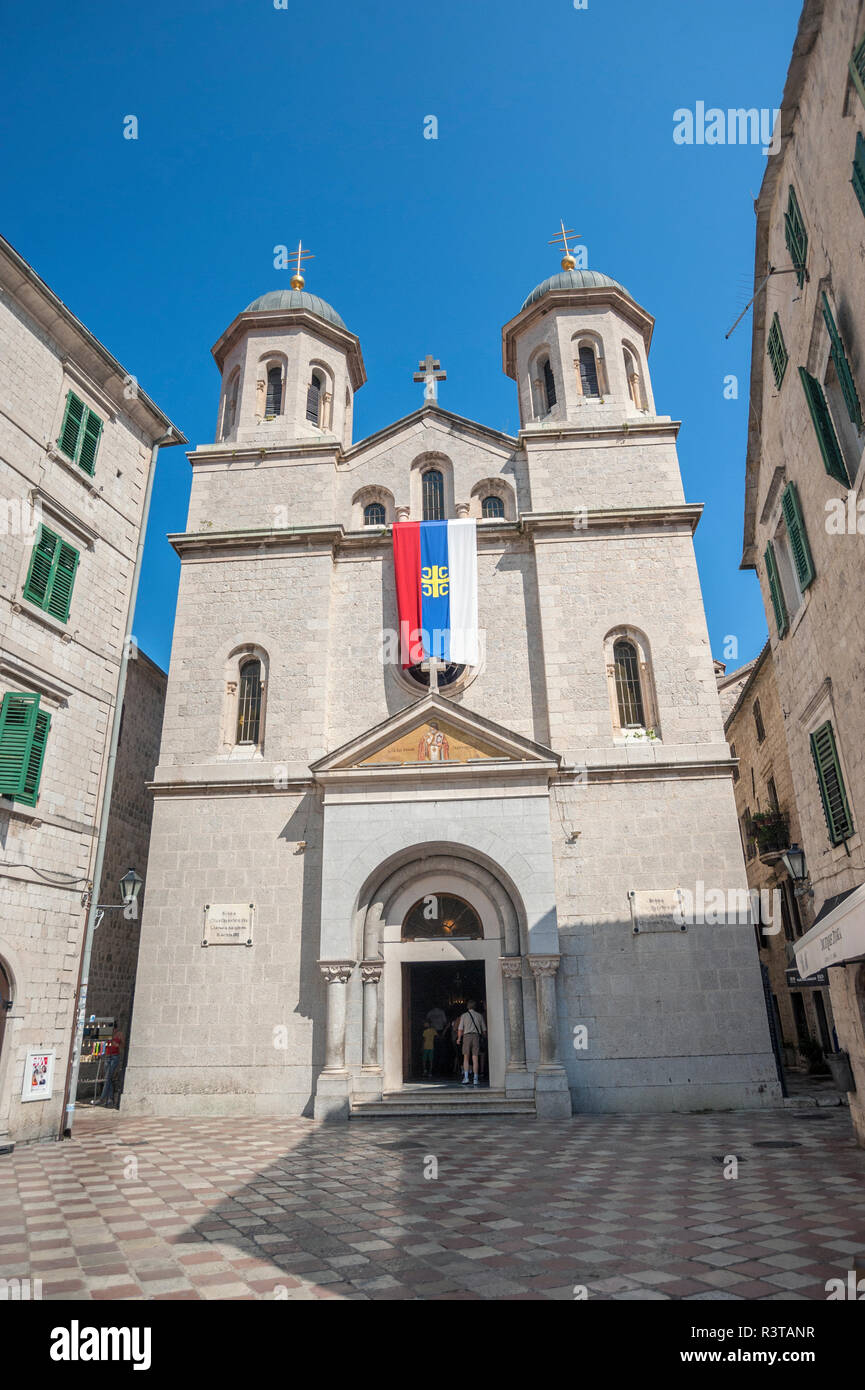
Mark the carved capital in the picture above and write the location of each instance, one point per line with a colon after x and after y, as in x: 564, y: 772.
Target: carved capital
x: 544, y: 965
x: 403, y: 513
x: 512, y: 967
x: 336, y: 972
x: 462, y: 509
x: 370, y: 971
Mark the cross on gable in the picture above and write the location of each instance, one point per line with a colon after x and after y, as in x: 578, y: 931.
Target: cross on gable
x: 429, y: 373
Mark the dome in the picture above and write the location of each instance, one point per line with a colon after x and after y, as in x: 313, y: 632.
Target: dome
x: 296, y: 299
x: 573, y: 280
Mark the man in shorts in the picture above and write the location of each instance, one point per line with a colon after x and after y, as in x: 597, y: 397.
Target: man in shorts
x: 469, y: 1033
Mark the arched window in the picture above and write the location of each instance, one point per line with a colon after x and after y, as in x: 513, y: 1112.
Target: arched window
x: 492, y: 506
x: 451, y: 673
x: 440, y: 915
x: 433, y: 495
x: 589, y: 371
x: 758, y: 722
x: 273, y: 404
x: 633, y: 376
x: 549, y: 384
x: 314, y: 394
x: 374, y: 514
x: 628, y: 691
x: 229, y: 413
x: 249, y: 702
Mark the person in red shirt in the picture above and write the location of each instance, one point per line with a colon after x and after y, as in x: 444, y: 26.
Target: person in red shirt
x: 113, y: 1049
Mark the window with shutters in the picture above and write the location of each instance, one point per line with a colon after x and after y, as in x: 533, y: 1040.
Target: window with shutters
x: 857, y: 69
x: 777, y: 351
x: 492, y: 508
x: 858, y: 179
x: 795, y: 236
x: 827, y: 438
x: 588, y: 371
x: 797, y: 537
x: 80, y: 433
x: 273, y: 401
x: 23, y: 735
x: 758, y: 725
x: 827, y: 765
x: 314, y: 394
x: 374, y: 514
x: 433, y: 495
x: 249, y: 703
x: 51, y: 574
x: 776, y: 592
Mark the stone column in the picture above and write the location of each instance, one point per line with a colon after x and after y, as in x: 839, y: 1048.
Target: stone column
x: 544, y: 970
x: 552, y: 1094
x: 463, y: 509
x: 337, y: 974
x: 512, y: 970
x: 370, y: 973
x: 403, y: 513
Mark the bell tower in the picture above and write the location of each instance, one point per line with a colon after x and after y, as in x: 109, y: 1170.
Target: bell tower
x: 289, y: 369
x: 578, y: 351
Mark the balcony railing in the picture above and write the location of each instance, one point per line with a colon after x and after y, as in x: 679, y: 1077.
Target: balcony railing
x: 771, y: 831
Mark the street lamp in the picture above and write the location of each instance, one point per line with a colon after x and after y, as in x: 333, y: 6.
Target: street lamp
x: 794, y: 862
x: 130, y: 887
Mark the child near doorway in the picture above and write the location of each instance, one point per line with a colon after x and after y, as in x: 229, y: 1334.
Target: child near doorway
x: 429, y: 1041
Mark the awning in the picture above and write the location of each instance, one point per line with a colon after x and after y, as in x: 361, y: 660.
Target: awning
x: 837, y: 937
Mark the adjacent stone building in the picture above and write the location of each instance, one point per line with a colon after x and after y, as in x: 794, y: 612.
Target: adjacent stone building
x: 111, y: 988
x: 803, y: 520
x: 338, y: 847
x: 769, y: 825
x: 76, y: 450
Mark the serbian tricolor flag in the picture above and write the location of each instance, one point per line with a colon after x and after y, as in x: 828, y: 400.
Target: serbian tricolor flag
x: 436, y: 566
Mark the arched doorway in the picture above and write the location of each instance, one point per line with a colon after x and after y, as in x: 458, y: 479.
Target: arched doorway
x: 437, y: 993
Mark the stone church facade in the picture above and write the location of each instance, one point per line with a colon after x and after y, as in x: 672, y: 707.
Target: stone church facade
x: 579, y: 776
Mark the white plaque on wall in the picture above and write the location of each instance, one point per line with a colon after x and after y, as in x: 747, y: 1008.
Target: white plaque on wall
x: 228, y: 924
x: 38, y: 1076
x: 657, y: 909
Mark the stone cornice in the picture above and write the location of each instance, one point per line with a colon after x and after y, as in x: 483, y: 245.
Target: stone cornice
x: 569, y: 432
x: 249, y: 786
x: 335, y: 535
x: 271, y: 319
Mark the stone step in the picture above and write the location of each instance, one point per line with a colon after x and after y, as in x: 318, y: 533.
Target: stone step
x: 447, y: 1101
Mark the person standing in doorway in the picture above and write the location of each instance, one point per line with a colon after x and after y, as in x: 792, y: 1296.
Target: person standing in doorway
x: 471, y: 1029
x: 113, y: 1049
x: 429, y: 1041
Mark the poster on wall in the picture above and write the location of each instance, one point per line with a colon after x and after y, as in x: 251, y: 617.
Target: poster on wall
x: 38, y: 1076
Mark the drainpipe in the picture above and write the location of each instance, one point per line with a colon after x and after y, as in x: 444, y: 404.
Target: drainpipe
x: 94, y: 916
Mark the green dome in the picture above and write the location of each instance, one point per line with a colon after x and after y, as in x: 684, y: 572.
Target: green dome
x: 296, y: 299
x: 573, y: 280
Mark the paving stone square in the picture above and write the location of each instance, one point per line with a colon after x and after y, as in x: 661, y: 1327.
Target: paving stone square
x: 630, y: 1207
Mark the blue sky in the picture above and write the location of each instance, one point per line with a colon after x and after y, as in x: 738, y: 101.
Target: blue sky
x: 260, y: 125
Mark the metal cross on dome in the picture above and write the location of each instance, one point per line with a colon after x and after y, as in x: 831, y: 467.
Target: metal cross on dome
x: 568, y: 261
x: 429, y: 371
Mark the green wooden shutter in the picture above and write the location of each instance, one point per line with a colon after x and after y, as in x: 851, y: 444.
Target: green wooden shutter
x: 842, y: 367
x: 777, y: 351
x: 795, y: 524
x: 857, y: 69
x: 18, y: 715
x: 37, y: 586
x: 782, y: 622
x: 90, y: 442
x: 858, y: 179
x: 839, y: 822
x: 824, y: 429
x: 30, y: 792
x: 65, y: 565
x: 795, y: 236
x: 71, y: 427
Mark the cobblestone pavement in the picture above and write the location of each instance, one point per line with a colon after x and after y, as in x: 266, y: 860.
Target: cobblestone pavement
x: 632, y: 1207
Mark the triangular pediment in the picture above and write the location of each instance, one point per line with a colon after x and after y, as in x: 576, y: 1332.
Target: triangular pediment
x: 435, y: 734
x: 431, y: 427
